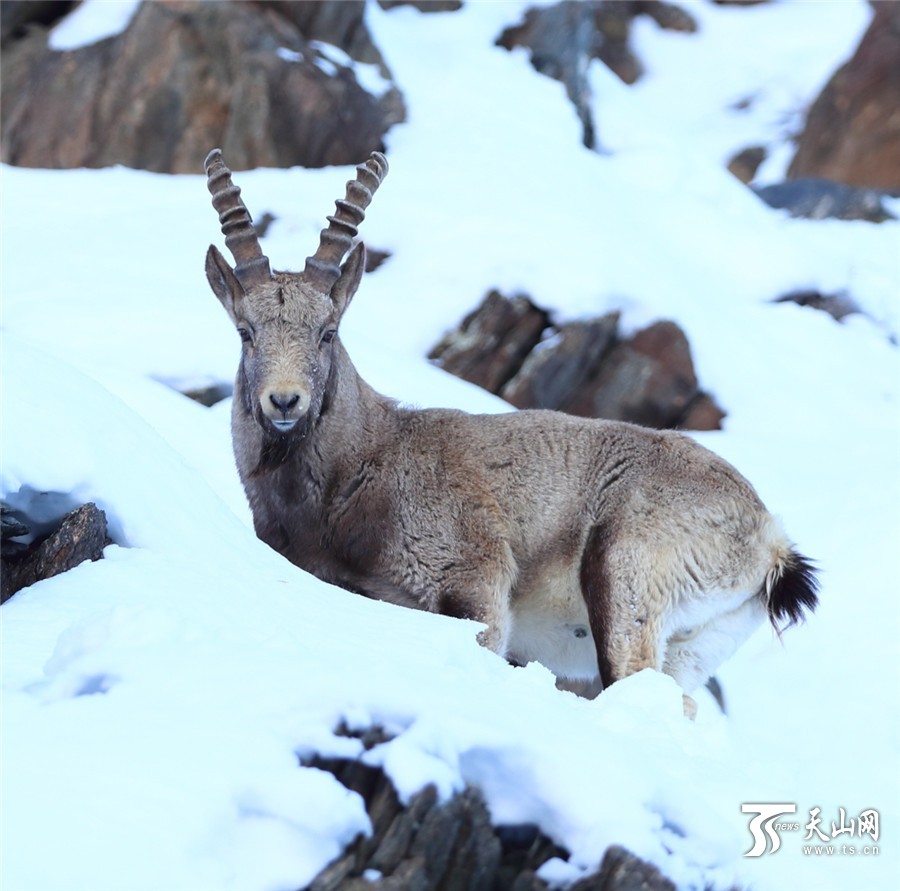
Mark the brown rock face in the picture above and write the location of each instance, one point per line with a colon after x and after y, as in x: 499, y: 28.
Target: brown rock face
x: 648, y: 379
x: 512, y: 348
x: 852, y: 132
x: 492, y: 341
x: 189, y: 75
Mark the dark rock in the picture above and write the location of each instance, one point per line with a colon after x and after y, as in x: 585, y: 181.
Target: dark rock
x: 852, y: 132
x: 565, y: 37
x: 562, y: 365
x: 622, y: 871
x: 702, y: 413
x: 187, y: 75
x: 582, y: 368
x: 81, y: 536
x: 746, y: 162
x: 819, y: 199
x: 375, y: 257
x: 263, y: 223
x: 491, y: 343
x: 669, y: 16
x: 11, y: 526
x: 838, y: 306
x: 430, y: 845
x: 210, y: 395
x: 17, y: 17
x: 424, y: 5
x: 340, y: 24
x: 648, y: 379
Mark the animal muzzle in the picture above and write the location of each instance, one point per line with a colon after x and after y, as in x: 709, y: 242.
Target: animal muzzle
x: 284, y: 407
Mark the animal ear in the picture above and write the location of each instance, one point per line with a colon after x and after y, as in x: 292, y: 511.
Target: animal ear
x: 223, y: 281
x: 351, y: 273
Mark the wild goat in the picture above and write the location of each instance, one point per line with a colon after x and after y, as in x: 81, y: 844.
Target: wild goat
x: 540, y: 525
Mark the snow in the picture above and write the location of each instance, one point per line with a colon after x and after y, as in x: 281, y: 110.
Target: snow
x: 92, y: 21
x: 156, y: 703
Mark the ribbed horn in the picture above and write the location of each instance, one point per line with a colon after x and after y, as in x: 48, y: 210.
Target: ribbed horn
x: 323, y: 267
x: 237, y: 226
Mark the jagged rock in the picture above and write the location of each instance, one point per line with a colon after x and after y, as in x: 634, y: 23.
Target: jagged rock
x: 648, y: 379
x: 565, y: 37
x: 187, y: 75
x: 819, y: 199
x: 511, y: 348
x: 746, y: 162
x: 428, y: 845
x: 18, y: 16
x: 852, y: 132
x: 562, y: 365
x: 702, y: 413
x: 375, y: 257
x: 622, y: 871
x: 81, y: 536
x: 210, y: 395
x: 424, y: 5
x: 492, y: 341
x: 340, y: 24
x: 838, y: 306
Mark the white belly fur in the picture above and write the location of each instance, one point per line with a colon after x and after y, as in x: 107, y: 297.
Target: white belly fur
x: 550, y: 625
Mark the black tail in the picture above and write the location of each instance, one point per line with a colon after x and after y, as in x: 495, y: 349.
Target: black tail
x: 790, y: 589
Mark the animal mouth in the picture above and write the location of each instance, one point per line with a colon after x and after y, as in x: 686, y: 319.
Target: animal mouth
x: 284, y: 424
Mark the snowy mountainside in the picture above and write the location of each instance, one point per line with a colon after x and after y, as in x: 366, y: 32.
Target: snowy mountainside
x: 155, y: 703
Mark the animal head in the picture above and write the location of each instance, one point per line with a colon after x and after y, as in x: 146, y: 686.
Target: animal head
x: 287, y: 321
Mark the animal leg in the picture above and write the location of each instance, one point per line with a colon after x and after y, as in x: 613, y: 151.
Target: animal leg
x: 484, y: 597
x: 692, y: 655
x: 625, y: 608
x: 622, y: 609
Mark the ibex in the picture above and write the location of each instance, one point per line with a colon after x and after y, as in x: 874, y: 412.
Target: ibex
x: 593, y: 547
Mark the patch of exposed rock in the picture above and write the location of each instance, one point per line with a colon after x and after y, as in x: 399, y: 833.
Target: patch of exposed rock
x: 852, y: 132
x: 512, y: 348
x: 81, y: 535
x: 820, y: 199
x: 272, y: 84
x: 429, y: 845
x: 562, y: 39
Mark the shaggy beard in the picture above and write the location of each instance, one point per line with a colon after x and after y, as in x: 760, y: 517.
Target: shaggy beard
x: 278, y: 447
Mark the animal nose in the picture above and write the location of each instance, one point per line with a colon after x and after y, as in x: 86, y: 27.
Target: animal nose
x: 284, y: 402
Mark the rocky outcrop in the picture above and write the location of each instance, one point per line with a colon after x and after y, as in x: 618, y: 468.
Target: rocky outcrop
x: 428, y: 845
x: 424, y: 5
x: 17, y: 17
x: 852, y: 132
x: 512, y: 348
x: 746, y: 162
x: 492, y: 341
x: 820, y: 199
x: 838, y: 306
x: 273, y: 84
x: 80, y: 536
x: 562, y: 40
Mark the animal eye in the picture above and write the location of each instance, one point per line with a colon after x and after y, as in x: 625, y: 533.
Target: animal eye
x: 245, y: 335
x: 328, y: 336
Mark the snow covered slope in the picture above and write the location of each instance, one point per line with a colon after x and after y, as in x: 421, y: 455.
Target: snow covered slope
x: 155, y: 703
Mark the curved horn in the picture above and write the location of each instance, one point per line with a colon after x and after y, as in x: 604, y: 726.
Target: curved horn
x: 323, y: 266
x: 237, y: 226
